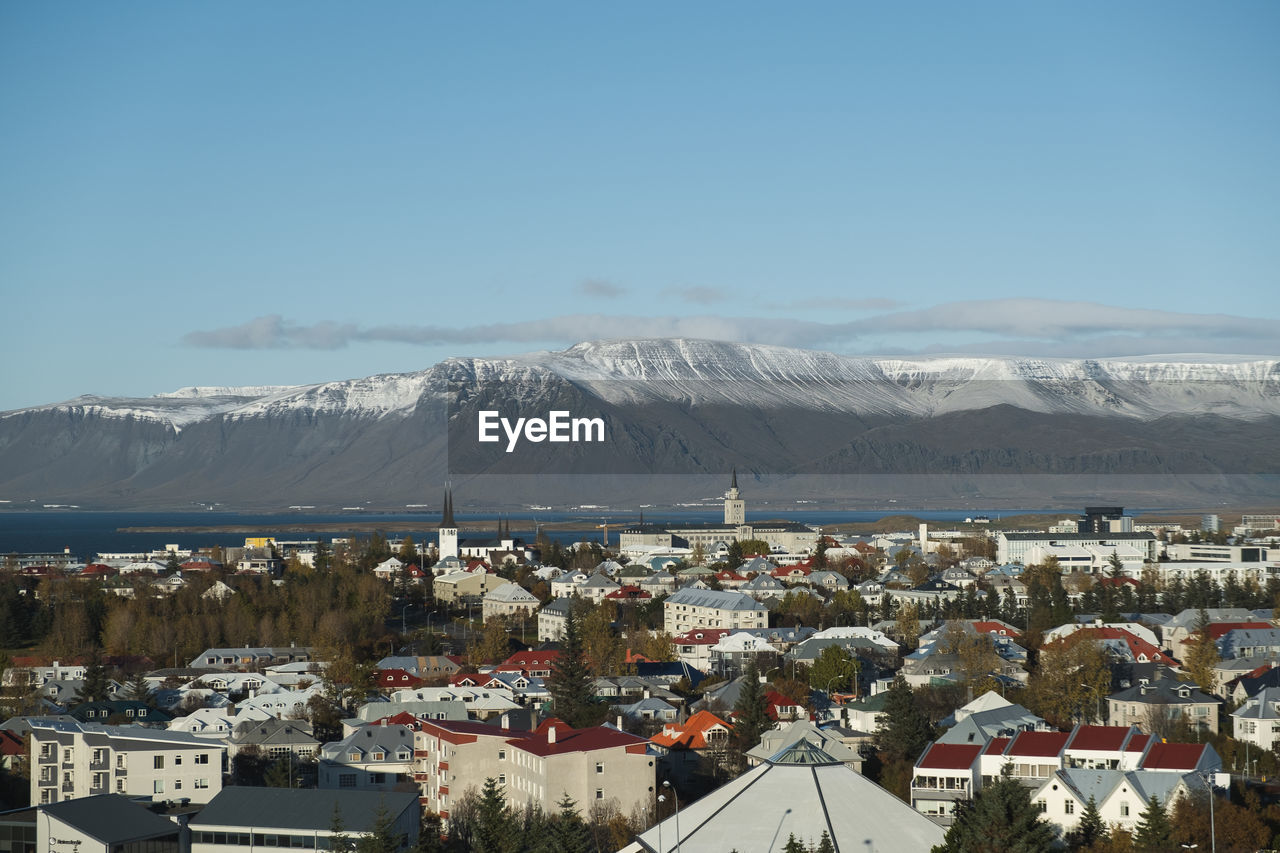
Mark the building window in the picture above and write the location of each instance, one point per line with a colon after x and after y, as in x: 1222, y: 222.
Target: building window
x: 599, y: 766
x: 202, y: 783
x: 202, y: 758
x: 119, y: 786
x: 157, y: 762
x: 599, y: 793
x: 177, y: 761
x: 346, y: 780
x: 177, y: 784
x: 502, y: 755
x: 1069, y: 807
x: 158, y: 786
x: 1124, y: 809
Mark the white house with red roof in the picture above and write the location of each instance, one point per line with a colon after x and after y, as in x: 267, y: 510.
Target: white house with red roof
x: 694, y: 647
x: 699, y: 744
x: 948, y: 772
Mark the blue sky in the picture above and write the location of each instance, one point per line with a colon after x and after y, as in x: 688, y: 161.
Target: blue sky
x: 289, y: 192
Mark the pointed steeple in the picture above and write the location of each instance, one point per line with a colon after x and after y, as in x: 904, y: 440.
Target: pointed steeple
x: 446, y: 519
x: 733, y: 482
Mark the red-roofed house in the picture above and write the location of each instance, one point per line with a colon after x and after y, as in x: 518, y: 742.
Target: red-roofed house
x: 780, y: 707
x: 536, y: 664
x: 1182, y: 757
x: 694, y: 647
x: 395, y: 679
x: 945, y: 774
x: 596, y: 766
x: 1121, y: 642
x: 1104, y: 748
x: 628, y: 595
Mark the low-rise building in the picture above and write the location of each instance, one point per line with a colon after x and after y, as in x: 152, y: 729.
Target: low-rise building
x: 375, y: 757
x: 71, y: 760
x: 247, y: 820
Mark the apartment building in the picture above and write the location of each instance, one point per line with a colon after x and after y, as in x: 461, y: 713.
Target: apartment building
x: 71, y: 760
x: 692, y: 609
x: 600, y: 765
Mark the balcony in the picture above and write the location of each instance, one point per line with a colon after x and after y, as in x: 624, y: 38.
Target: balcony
x: 422, y: 777
x: 444, y: 765
x: 98, y: 765
x: 51, y: 758
x: 422, y: 753
x: 68, y: 787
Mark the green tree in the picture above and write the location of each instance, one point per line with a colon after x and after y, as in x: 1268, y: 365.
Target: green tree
x: 833, y: 670
x: 339, y: 841
x: 794, y: 845
x: 1154, y: 833
x: 1091, y: 827
x: 825, y: 845
x: 494, y: 830
x: 408, y: 553
x: 172, y: 563
x: 139, y: 689
x: 570, y: 683
x: 284, y: 772
x: 96, y: 684
x: 750, y: 720
x: 381, y: 837
x: 904, y: 730
x: 1000, y: 819
x: 568, y: 832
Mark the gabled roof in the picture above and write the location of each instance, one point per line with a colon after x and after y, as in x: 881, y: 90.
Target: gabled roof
x: 543, y: 741
x: 1175, y: 756
x: 301, y: 808
x: 1099, y: 738
x: 949, y: 756
x: 1038, y: 744
x: 692, y: 734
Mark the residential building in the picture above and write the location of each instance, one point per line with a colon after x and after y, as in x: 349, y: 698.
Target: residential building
x: 71, y: 760
x: 249, y: 658
x: 509, y: 600
x: 592, y: 766
x: 1015, y: 547
x: 378, y: 757
x: 107, y: 823
x: 272, y: 739
x: 1257, y: 721
x: 691, y: 609
x: 552, y: 619
x: 1148, y: 703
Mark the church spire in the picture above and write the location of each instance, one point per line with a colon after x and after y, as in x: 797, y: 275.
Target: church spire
x: 446, y: 519
x: 733, y: 482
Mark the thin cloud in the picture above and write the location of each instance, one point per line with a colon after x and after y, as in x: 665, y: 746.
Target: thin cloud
x: 838, y: 303
x: 699, y: 295
x: 600, y: 288
x: 1013, y: 326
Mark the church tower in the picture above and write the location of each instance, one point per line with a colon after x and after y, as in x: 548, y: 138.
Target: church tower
x: 735, y: 508
x: 448, y: 528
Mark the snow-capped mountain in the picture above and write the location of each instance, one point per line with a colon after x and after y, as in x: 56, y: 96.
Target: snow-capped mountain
x: 674, y: 406
x: 756, y: 376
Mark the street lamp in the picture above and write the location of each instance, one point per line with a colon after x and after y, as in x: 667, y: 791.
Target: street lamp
x: 1213, y: 829
x: 403, y: 611
x: 668, y: 786
x: 661, y: 799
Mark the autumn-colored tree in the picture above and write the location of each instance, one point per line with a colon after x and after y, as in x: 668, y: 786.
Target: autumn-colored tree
x: 493, y: 646
x: 1069, y: 682
x: 908, y: 625
x: 1202, y: 654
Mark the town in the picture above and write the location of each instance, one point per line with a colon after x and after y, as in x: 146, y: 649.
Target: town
x: 1099, y: 684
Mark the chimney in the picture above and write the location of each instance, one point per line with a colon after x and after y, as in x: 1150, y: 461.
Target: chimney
x: 551, y: 734
x: 620, y: 720
x: 506, y: 722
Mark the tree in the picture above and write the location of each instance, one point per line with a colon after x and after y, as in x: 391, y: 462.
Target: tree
x: 1068, y: 681
x: 139, y: 689
x: 1155, y: 833
x: 1202, y: 654
x: 339, y: 841
x: 908, y: 625
x: 833, y: 670
x: 172, y: 563
x: 408, y: 553
x: 494, y: 830
x: 568, y: 832
x: 1000, y: 819
x: 750, y: 719
x: 794, y: 845
x: 283, y: 773
x: 904, y: 731
x: 96, y: 684
x: 493, y: 646
x: 825, y: 845
x: 381, y: 837
x: 1090, y: 828
x: 570, y: 684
